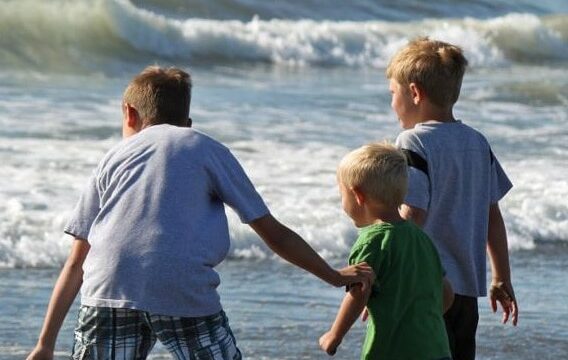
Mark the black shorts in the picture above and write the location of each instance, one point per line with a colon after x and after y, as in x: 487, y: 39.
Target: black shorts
x: 461, y: 325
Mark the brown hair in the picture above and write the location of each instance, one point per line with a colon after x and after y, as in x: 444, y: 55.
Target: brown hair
x: 437, y: 67
x: 160, y: 95
x: 378, y: 170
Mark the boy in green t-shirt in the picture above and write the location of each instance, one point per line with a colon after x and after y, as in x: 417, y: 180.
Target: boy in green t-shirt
x: 410, y: 294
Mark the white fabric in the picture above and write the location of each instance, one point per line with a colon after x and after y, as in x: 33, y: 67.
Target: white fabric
x: 154, y: 215
x: 463, y: 180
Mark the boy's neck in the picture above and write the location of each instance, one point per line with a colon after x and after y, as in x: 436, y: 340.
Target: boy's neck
x: 429, y: 112
x: 380, y: 215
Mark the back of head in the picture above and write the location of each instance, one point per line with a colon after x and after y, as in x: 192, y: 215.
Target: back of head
x: 378, y: 170
x: 437, y: 67
x: 160, y: 95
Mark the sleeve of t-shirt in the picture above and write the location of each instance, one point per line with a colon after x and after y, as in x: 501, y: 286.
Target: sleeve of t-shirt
x: 371, y: 253
x: 233, y: 186
x: 85, y: 211
x: 418, y: 194
x: 365, y: 252
x: 500, y: 183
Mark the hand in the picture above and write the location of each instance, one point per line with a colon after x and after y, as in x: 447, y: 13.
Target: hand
x: 329, y: 342
x: 364, y: 314
x: 503, y: 293
x: 359, y: 273
x: 40, y: 353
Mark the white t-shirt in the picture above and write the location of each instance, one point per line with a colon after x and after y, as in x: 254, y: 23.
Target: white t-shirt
x: 153, y: 213
x: 455, y: 178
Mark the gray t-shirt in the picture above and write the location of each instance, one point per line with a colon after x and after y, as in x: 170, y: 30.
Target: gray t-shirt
x: 153, y: 213
x: 455, y: 178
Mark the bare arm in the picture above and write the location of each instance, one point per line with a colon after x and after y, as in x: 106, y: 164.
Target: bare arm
x: 497, y: 249
x: 353, y: 304
x: 417, y: 215
x: 291, y: 247
x: 448, y: 295
x: 64, y: 293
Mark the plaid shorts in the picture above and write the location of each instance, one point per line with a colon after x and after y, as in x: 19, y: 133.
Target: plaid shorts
x: 113, y: 333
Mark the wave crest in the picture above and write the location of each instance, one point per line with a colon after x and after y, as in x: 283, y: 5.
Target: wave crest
x: 109, y: 34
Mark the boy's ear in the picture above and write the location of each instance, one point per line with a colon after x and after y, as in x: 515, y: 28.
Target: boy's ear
x: 359, y: 196
x: 131, y: 116
x: 416, y: 92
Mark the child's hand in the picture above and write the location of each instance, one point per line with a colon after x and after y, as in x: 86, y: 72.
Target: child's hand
x: 504, y: 294
x: 329, y: 342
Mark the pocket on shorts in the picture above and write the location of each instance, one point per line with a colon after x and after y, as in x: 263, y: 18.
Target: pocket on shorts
x: 84, y: 330
x: 81, y: 351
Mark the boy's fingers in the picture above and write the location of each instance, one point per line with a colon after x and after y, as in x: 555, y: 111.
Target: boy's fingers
x: 493, y: 304
x: 367, y: 272
x: 364, y: 268
x: 515, y: 312
x: 506, y: 313
x: 504, y: 294
x: 364, y: 315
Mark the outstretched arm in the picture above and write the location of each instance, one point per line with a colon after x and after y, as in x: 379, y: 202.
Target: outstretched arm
x: 353, y: 303
x: 291, y: 247
x: 501, y: 287
x: 64, y: 293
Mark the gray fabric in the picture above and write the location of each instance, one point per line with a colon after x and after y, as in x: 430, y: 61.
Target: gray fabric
x: 462, y: 183
x: 153, y: 213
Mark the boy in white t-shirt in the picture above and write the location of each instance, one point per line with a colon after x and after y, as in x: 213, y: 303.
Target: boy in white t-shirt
x: 150, y: 227
x: 455, y: 183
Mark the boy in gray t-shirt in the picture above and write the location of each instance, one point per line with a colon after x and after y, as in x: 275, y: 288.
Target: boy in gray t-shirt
x: 455, y: 183
x: 150, y: 227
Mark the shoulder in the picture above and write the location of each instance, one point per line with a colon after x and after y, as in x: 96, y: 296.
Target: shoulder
x: 421, y: 237
x: 465, y: 128
x: 190, y: 140
x: 207, y: 140
x: 409, y: 138
x: 414, y: 142
x: 111, y: 156
x: 374, y: 235
x: 415, y: 230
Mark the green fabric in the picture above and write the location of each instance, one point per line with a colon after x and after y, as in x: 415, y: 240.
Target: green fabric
x: 405, y: 306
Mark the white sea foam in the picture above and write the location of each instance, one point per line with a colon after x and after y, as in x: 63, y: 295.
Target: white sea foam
x: 112, y: 33
x: 300, y: 192
x: 289, y: 126
x: 290, y: 152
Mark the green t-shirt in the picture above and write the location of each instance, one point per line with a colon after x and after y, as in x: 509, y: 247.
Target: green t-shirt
x: 405, y: 306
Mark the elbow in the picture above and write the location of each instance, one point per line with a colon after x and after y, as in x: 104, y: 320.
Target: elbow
x: 75, y: 269
x: 360, y: 294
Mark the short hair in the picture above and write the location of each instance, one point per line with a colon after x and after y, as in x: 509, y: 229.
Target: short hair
x: 436, y: 66
x: 160, y: 95
x: 378, y: 170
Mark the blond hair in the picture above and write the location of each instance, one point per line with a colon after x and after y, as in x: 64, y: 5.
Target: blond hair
x: 160, y: 95
x: 437, y: 67
x: 378, y: 170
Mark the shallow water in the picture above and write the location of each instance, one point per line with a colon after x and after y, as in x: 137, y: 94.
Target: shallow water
x: 278, y: 312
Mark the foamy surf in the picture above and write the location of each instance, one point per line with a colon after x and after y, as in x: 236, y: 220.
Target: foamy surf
x: 106, y: 35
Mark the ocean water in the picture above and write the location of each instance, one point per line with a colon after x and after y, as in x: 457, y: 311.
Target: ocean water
x: 290, y: 87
